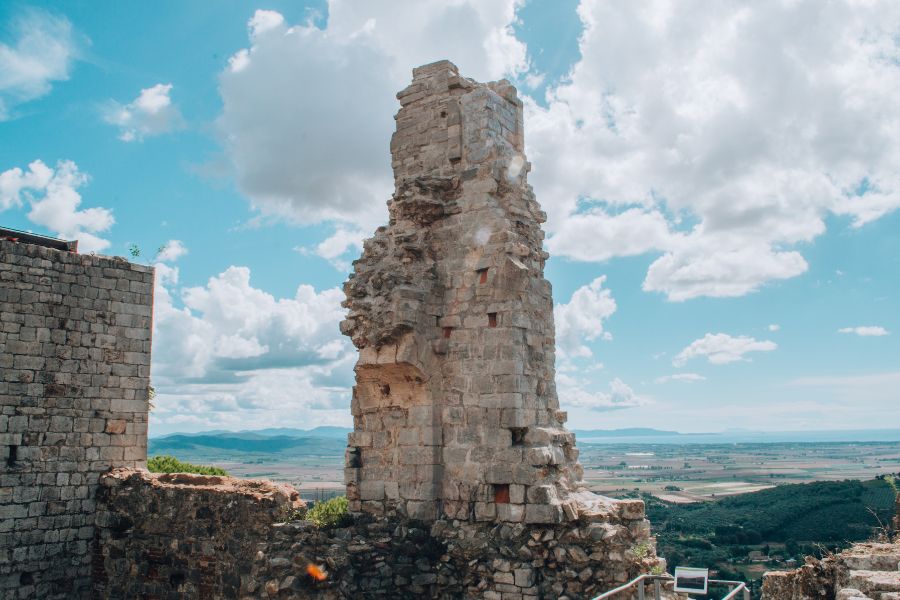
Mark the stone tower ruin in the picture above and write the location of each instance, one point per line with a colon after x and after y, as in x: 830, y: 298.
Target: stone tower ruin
x: 455, y: 408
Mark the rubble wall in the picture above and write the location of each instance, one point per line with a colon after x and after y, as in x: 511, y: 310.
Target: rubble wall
x: 865, y: 571
x: 74, y: 378
x: 192, y: 536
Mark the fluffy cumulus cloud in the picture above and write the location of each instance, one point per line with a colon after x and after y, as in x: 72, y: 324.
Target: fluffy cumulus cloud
x: 171, y: 251
x: 307, y: 112
x: 227, y: 353
x: 40, y: 52
x: 581, y: 319
x: 51, y: 197
x: 721, y: 348
x: 151, y: 113
x: 338, y: 248
x: 573, y: 393
x: 865, y: 330
x: 718, y: 136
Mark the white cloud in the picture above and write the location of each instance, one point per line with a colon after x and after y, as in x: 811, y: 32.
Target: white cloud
x: 171, y: 251
x: 335, y: 248
x: 685, y: 377
x: 728, y: 138
x: 151, y: 113
x: 307, y: 114
x: 774, y: 327
x: 865, y: 330
x: 41, y: 54
x: 721, y: 348
x: 53, y: 198
x: 597, y: 236
x: 581, y: 319
x: 228, y: 354
x: 572, y: 394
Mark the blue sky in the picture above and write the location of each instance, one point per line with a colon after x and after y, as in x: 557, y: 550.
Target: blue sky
x: 722, y: 191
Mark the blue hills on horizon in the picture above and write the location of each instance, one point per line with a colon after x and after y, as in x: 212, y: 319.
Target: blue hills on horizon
x: 279, y: 438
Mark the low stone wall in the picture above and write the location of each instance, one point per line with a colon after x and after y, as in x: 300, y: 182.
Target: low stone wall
x: 816, y: 579
x: 865, y: 570
x: 202, y: 537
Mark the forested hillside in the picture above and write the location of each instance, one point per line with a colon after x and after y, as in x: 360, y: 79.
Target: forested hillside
x: 742, y: 536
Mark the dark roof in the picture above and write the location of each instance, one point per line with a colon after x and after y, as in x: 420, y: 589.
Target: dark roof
x: 23, y: 237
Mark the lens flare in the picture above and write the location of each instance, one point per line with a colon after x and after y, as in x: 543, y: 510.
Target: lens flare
x: 316, y: 572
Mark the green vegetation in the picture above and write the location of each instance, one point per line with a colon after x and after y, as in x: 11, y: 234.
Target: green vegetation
x: 641, y: 550
x: 892, y: 481
x: 329, y: 512
x: 170, y: 464
x: 742, y: 536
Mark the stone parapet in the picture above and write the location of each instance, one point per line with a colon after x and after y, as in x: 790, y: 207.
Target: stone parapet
x: 200, y: 537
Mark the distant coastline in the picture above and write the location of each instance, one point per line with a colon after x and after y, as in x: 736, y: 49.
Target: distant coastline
x: 633, y: 435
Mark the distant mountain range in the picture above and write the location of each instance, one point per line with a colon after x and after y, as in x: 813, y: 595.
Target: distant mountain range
x: 627, y: 432
x: 331, y: 441
x: 319, y: 441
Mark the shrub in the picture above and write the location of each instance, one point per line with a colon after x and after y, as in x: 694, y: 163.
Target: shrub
x: 328, y: 513
x: 170, y: 464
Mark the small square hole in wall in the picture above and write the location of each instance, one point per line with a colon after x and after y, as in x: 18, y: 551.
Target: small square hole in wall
x: 447, y: 331
x: 482, y: 275
x: 492, y: 319
x: 13, y: 456
x: 518, y: 435
x: 501, y: 493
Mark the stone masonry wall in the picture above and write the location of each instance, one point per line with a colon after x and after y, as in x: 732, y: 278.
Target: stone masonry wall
x: 455, y: 407
x: 188, y: 536
x: 74, y: 377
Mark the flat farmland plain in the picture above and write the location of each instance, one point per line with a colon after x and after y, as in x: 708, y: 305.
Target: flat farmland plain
x: 679, y: 473
x: 684, y: 473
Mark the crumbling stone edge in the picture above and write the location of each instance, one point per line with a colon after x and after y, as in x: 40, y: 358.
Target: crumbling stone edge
x: 211, y: 537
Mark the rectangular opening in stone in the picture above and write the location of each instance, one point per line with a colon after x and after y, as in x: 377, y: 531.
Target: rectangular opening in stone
x: 492, y: 319
x: 447, y: 331
x: 482, y: 275
x: 518, y: 435
x: 501, y: 493
x: 12, y: 456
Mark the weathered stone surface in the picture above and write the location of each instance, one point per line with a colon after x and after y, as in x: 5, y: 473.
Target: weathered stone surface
x: 865, y: 570
x: 453, y: 318
x: 74, y: 379
x: 216, y: 537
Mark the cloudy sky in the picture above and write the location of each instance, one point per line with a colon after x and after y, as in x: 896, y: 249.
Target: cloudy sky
x: 722, y: 183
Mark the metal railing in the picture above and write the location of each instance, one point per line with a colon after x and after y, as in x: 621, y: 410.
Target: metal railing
x: 659, y: 581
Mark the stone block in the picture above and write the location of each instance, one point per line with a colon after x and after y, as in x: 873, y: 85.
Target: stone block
x: 524, y: 578
x: 512, y: 513
x: 371, y: 490
x: 517, y: 417
x: 485, y: 511
x: 543, y: 513
x: 115, y: 426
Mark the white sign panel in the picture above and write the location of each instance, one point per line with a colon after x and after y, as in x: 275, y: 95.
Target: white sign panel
x: 691, y: 580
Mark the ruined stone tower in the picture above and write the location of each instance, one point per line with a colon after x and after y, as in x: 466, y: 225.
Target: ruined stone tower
x: 455, y: 408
